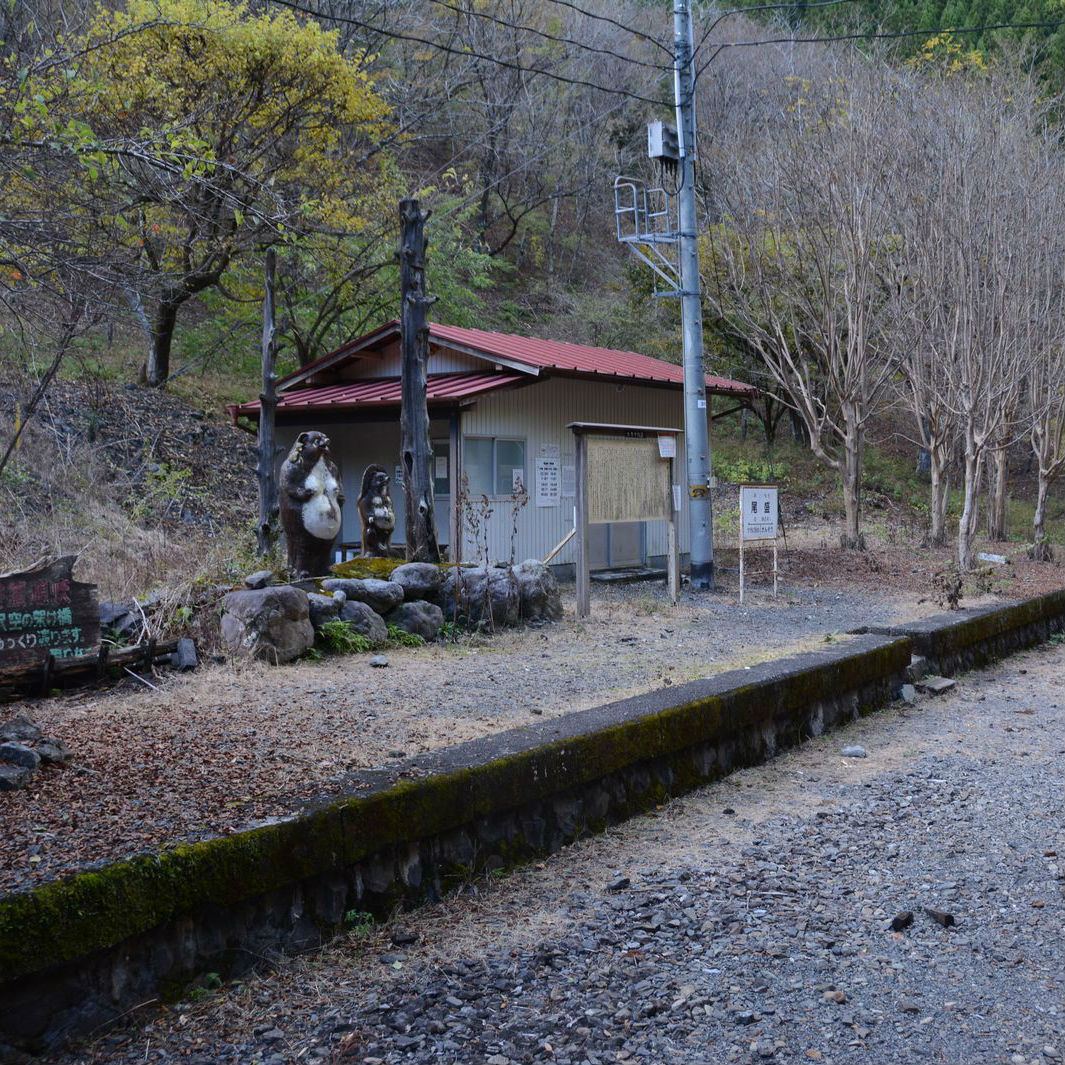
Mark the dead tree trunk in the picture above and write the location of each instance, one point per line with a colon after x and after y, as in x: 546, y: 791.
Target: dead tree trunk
x: 267, y: 450
x: 416, y: 446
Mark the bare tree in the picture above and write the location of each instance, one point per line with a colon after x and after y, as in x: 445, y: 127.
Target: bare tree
x: 795, y: 265
x: 987, y: 312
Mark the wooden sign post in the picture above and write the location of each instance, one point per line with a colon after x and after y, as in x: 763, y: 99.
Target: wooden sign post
x: 624, y: 473
x: 758, y: 521
x: 46, y: 614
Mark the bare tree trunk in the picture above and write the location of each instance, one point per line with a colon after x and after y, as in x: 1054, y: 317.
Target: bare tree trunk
x: 416, y: 447
x: 998, y: 501
x: 266, y: 465
x: 969, y: 513
x: 940, y: 494
x: 852, y: 538
x: 158, y: 368
x: 1041, y: 548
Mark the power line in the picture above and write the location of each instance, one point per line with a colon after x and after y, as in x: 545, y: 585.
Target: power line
x: 613, y: 22
x: 764, y: 7
x: 875, y: 35
x: 553, y: 37
x: 467, y: 53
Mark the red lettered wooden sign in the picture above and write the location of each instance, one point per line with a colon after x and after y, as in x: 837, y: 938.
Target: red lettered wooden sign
x: 44, y: 611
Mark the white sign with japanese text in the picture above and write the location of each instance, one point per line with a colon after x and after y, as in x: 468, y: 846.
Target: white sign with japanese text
x: 758, y: 512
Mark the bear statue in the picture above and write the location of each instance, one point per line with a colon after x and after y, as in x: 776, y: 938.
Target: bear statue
x: 311, y: 501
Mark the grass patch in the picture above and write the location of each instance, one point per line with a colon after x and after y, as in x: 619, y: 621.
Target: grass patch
x: 340, y: 638
x: 404, y: 639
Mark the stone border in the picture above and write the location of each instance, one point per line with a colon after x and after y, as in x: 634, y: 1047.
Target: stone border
x: 968, y: 639
x: 78, y: 952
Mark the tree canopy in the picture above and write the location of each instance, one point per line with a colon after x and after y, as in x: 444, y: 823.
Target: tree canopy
x: 198, y: 132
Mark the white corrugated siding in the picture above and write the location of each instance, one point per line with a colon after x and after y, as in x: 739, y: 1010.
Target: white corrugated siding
x: 539, y: 414
x: 389, y: 364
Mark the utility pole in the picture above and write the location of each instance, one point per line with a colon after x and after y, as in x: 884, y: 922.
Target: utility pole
x: 416, y: 449
x: 696, y: 424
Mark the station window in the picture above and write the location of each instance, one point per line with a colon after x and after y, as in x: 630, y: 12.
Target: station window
x: 495, y: 466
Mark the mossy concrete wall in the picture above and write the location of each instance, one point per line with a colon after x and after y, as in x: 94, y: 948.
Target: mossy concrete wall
x: 968, y: 639
x: 76, y: 953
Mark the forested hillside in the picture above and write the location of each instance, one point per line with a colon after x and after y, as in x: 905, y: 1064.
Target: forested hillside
x: 877, y: 197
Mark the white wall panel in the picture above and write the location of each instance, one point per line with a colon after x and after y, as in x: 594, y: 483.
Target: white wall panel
x: 540, y: 413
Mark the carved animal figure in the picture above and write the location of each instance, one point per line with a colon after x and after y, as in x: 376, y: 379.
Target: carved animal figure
x: 311, y: 498
x: 376, y: 513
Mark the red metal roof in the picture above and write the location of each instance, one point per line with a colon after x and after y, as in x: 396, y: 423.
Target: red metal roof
x: 576, y: 358
x: 387, y: 391
x: 520, y: 352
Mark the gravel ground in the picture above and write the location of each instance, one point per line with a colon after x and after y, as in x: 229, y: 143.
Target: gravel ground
x: 221, y: 749
x: 748, y: 921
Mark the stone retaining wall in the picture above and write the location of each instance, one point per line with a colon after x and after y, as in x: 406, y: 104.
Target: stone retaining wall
x: 76, y: 953
x: 968, y: 639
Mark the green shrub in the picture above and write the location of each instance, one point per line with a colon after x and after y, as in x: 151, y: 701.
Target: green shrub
x: 358, y: 922
x: 404, y: 639
x: 340, y: 638
x: 738, y: 470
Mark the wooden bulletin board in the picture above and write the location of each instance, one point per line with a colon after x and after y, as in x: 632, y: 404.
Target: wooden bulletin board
x: 624, y: 473
x: 627, y: 480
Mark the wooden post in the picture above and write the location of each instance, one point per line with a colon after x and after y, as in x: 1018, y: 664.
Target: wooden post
x: 672, y: 545
x: 455, y: 488
x: 267, y: 449
x: 584, y: 584
x: 741, y: 567
x: 416, y: 449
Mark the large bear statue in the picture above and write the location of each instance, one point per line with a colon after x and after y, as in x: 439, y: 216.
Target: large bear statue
x: 311, y: 498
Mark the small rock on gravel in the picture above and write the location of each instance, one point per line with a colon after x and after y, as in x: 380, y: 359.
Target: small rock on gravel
x: 379, y: 661
x: 901, y: 921
x: 935, y: 685
x: 941, y: 917
x: 854, y: 752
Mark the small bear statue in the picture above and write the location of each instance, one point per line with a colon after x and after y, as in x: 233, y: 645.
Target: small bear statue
x: 376, y: 513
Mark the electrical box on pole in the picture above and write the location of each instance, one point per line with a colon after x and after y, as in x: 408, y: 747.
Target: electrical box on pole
x: 660, y: 228
x: 662, y: 143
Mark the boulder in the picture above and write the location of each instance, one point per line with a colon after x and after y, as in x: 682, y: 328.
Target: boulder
x: 54, y: 752
x: 420, y: 618
x: 20, y: 728
x: 184, y: 656
x: 365, y: 621
x: 382, y: 596
x: 122, y: 620
x: 19, y: 754
x: 259, y: 579
x: 323, y: 608
x: 13, y: 777
x: 538, y: 596
x: 419, y: 580
x: 272, y: 624
x: 481, y: 595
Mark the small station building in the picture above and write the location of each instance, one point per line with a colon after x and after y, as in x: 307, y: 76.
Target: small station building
x: 500, y: 407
